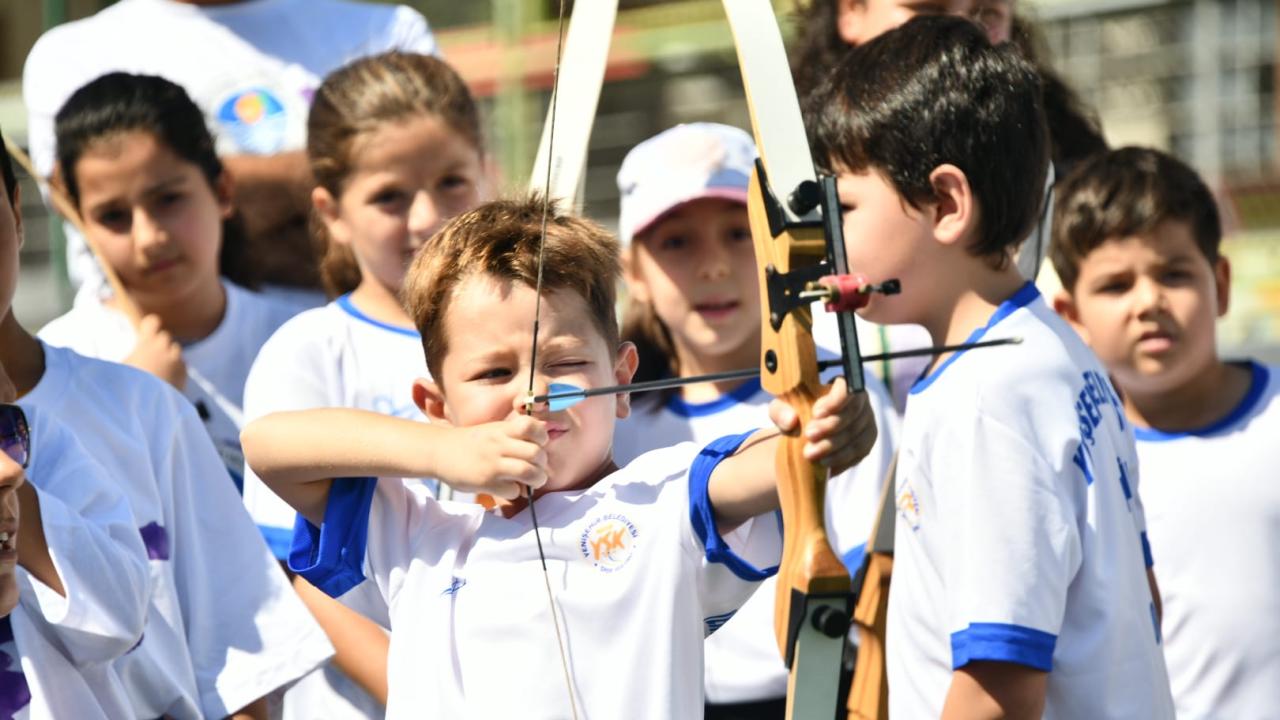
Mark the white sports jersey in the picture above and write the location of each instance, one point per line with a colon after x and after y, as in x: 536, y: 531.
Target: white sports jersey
x: 334, y: 356
x: 1213, y: 512
x: 639, y: 571
x: 897, y: 375
x: 225, y: 626
x: 38, y: 682
x: 251, y: 66
x: 1018, y: 534
x: 216, y: 366
x: 742, y: 660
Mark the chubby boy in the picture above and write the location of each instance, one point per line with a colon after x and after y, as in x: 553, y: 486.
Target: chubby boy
x: 640, y: 561
x: 1019, y: 584
x: 1136, y: 245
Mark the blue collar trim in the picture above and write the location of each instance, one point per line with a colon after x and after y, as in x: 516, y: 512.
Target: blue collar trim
x: 1257, y: 385
x: 345, y: 303
x: 1025, y: 296
x: 737, y: 396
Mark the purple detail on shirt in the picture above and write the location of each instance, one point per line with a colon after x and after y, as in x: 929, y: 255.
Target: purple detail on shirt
x: 14, y: 693
x: 156, y: 540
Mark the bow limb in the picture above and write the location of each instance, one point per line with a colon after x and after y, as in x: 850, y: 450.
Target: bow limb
x: 560, y: 167
x: 793, y: 246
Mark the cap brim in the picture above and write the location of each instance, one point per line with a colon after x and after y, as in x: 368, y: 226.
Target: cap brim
x: 734, y: 194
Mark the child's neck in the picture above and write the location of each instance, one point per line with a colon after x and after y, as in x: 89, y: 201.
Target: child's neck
x: 21, y: 354
x: 188, y: 319
x: 962, y: 307
x: 510, y: 508
x: 1207, y: 397
x: 380, y: 303
x: 693, y: 364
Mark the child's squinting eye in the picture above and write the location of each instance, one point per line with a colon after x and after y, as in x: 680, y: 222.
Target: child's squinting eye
x: 114, y: 219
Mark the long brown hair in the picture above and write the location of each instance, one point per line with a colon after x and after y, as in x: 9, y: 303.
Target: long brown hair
x: 358, y: 98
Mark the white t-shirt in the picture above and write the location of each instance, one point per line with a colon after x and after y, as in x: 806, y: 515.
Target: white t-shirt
x: 216, y: 366
x: 252, y: 66
x: 742, y: 662
x: 334, y: 356
x: 896, y: 375
x: 1213, y: 511
x: 1018, y: 535
x: 225, y: 626
x: 638, y: 568
x: 101, y: 561
x: 38, y: 682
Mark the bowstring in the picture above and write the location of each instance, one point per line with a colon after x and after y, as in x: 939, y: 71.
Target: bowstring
x: 533, y: 354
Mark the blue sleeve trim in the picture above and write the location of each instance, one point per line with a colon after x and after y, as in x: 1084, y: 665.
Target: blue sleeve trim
x: 1146, y: 550
x: 1003, y: 643
x: 331, y: 557
x: 703, y: 515
x: 853, y: 559
x: 279, y: 539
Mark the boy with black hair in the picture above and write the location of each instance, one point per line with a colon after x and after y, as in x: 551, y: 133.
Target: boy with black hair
x: 643, y: 560
x: 1136, y: 245
x: 1020, y: 588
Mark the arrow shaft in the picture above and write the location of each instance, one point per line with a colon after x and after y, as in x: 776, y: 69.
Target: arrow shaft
x: 670, y: 383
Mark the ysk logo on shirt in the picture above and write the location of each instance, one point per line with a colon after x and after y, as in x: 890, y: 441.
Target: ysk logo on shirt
x: 909, y: 505
x: 609, y: 542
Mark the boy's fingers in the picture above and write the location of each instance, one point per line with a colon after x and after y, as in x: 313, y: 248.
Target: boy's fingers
x: 506, y: 490
x: 782, y: 416
x: 530, y: 428
x: 832, y: 400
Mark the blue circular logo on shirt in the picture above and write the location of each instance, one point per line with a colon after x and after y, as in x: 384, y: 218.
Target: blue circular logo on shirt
x: 255, y: 120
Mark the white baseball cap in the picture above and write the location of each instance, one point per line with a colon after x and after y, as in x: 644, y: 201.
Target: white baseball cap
x: 685, y: 163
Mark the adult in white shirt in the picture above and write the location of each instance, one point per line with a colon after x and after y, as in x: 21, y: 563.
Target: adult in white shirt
x: 252, y: 66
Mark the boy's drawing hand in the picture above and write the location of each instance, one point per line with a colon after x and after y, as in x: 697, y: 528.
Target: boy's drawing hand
x: 842, y: 431
x: 499, y: 458
x: 158, y: 353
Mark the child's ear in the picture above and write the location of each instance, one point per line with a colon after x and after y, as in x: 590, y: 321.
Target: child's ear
x: 850, y: 19
x: 224, y: 189
x: 326, y: 206
x: 429, y: 397
x: 1065, y: 305
x: 623, y: 370
x: 955, y: 207
x: 1222, y: 284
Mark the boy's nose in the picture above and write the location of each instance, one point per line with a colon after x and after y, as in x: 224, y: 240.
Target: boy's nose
x: 146, y: 232
x: 714, y: 261
x: 1150, y: 296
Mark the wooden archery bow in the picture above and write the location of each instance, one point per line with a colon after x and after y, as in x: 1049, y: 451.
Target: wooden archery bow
x: 794, y: 250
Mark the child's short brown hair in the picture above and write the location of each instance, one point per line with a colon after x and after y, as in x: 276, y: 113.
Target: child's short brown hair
x: 1127, y: 192
x: 501, y: 239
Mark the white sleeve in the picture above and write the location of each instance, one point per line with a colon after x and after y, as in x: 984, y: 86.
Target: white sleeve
x: 96, y: 548
x: 853, y: 497
x: 285, y: 376
x: 1012, y: 539
x: 734, y: 563
x: 247, y: 630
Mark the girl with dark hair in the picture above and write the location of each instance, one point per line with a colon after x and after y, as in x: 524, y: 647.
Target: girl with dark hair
x: 139, y: 165
x: 395, y: 146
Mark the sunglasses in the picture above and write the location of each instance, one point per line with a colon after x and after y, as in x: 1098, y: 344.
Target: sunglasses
x: 15, y: 436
